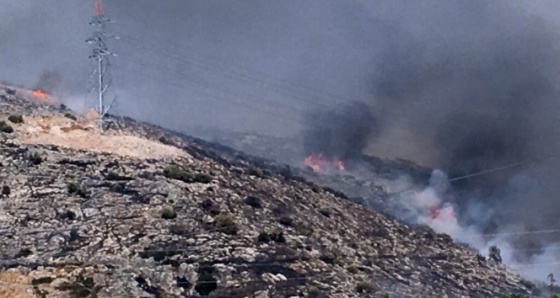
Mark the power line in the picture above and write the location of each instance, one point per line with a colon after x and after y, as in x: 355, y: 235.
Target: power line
x: 191, y: 78
x: 260, y: 74
x: 288, y: 118
x: 100, y: 54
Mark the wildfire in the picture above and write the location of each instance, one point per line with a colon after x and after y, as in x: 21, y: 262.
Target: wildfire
x: 40, y: 94
x: 318, y: 162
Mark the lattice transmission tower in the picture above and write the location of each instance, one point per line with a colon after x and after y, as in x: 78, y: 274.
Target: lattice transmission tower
x: 100, y: 79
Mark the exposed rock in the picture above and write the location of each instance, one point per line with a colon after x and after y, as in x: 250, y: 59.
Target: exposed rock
x: 115, y: 223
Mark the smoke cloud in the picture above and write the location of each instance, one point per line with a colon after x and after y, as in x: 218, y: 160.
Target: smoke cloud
x: 342, y: 133
x: 474, y: 84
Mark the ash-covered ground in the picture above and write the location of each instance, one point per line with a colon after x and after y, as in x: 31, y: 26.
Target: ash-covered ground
x: 414, y: 194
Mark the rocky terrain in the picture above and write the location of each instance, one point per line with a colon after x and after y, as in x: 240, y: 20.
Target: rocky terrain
x: 145, y: 212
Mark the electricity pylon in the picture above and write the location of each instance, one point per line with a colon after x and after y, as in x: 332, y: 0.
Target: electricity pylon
x: 100, y: 79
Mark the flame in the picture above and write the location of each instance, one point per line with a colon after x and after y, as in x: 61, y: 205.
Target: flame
x: 40, y: 94
x: 442, y: 214
x: 317, y: 162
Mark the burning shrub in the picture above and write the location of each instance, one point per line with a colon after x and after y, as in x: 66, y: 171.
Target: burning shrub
x: 5, y: 127
x: 17, y: 119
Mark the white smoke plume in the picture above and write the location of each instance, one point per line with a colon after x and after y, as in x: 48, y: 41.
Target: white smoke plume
x: 432, y: 206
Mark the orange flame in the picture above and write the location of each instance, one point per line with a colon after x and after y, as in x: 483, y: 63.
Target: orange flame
x: 318, y: 163
x: 98, y: 8
x: 441, y: 214
x: 40, y: 94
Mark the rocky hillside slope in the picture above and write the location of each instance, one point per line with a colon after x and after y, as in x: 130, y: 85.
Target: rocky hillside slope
x: 143, y: 212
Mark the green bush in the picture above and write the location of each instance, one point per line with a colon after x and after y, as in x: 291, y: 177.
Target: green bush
x: 17, y: 119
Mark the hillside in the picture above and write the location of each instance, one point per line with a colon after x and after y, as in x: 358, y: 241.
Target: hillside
x: 145, y: 212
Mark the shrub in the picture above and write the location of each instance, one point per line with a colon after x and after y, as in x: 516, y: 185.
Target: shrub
x: 6, y: 191
x: 224, y: 223
x: 364, y: 287
x: 325, y: 212
x: 352, y: 269
x: 5, y: 127
x: 168, y: 213
x: 17, y: 119
x: 263, y: 237
x: 75, y: 188
x: 42, y: 280
x: 257, y: 172
x: 210, y: 207
x: 278, y: 236
x: 175, y: 172
x: 206, y: 284
x: 70, y: 116
x: 287, y: 221
x: 328, y: 257
x: 82, y: 287
x: 36, y: 158
x: 253, y: 202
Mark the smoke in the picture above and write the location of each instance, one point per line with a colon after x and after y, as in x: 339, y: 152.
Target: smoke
x: 431, y: 206
x: 50, y: 81
x: 474, y: 84
x: 340, y: 133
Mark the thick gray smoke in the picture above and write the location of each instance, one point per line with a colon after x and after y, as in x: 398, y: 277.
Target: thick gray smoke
x: 50, y: 81
x: 342, y: 133
x: 483, y: 87
x: 472, y: 84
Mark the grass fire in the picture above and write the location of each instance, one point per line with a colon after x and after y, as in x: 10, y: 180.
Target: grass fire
x: 319, y: 163
x: 40, y: 94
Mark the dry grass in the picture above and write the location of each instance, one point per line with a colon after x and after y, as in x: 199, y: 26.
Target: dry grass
x: 13, y: 284
x: 64, y: 132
